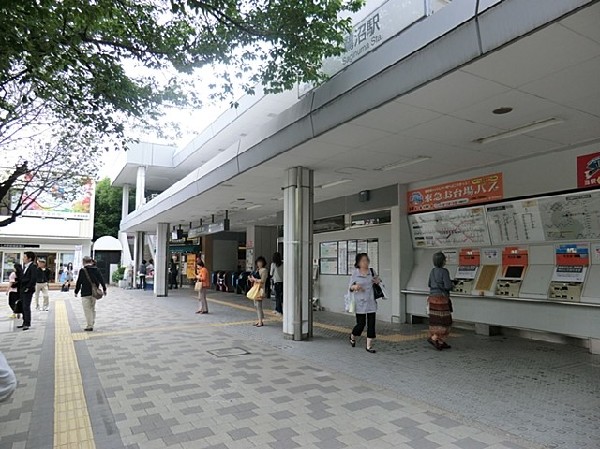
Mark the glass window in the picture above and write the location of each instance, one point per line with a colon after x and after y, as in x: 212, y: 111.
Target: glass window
x: 8, y: 260
x: 372, y: 218
x: 330, y: 224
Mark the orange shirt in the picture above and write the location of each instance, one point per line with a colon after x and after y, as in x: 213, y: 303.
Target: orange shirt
x: 203, y: 276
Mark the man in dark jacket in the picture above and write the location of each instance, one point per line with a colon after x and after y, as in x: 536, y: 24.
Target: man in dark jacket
x: 27, y: 287
x: 87, y: 275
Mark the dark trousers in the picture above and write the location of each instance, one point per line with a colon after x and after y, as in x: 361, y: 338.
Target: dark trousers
x: 279, y: 297
x: 172, y: 281
x: 26, y: 304
x: 362, y: 320
x: 13, y: 297
x: 143, y: 282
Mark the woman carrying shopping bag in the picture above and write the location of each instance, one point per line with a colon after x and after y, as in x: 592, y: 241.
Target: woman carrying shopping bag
x: 257, y: 292
x: 363, y: 301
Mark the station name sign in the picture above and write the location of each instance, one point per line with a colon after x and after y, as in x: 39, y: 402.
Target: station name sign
x: 367, y: 34
x: 211, y: 228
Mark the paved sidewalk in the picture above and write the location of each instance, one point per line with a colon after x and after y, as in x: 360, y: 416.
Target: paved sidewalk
x: 153, y: 375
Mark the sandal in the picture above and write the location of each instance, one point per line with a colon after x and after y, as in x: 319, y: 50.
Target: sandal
x: 352, y: 341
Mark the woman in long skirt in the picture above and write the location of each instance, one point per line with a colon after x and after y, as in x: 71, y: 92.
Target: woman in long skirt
x: 439, y: 303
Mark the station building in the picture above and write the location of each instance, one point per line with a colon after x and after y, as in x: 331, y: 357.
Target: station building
x: 469, y: 127
x: 58, y: 231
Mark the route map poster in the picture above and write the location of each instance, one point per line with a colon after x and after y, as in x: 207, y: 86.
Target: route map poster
x: 483, y: 189
x: 450, y: 228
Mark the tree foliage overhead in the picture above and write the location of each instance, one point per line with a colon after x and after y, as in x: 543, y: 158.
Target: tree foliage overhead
x: 74, y: 73
x: 74, y: 58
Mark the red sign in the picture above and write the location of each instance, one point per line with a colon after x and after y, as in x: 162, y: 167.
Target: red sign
x: 513, y: 256
x: 469, y: 257
x: 483, y: 189
x: 588, y: 171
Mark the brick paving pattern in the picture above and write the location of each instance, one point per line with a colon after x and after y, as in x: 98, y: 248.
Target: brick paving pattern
x: 156, y: 375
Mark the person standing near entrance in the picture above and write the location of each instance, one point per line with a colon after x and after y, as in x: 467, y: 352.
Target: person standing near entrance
x: 202, y: 277
x: 439, y: 303
x: 361, y: 286
x: 173, y: 274
x: 142, y: 275
x: 277, y: 276
x: 13, y: 290
x: 260, y: 277
x: 27, y: 288
x: 88, y: 274
x: 41, y: 286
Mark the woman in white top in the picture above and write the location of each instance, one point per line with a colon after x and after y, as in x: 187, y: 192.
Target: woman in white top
x: 13, y: 289
x: 277, y: 276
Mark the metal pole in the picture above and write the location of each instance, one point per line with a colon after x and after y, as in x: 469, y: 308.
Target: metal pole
x: 309, y: 256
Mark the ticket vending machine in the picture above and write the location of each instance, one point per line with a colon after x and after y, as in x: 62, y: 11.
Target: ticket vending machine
x: 514, y: 265
x: 466, y: 273
x: 572, y: 262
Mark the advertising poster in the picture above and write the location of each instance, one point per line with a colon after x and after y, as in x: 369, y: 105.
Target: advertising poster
x: 483, y: 189
x: 191, y: 266
x: 58, y: 203
x: 588, y: 171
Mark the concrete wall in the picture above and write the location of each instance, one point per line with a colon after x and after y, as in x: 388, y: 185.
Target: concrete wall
x: 331, y: 289
x: 225, y: 255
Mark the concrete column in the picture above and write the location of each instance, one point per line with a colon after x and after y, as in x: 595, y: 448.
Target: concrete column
x: 138, y: 254
x: 298, y: 250
x: 126, y: 258
x: 125, y: 202
x: 402, y: 254
x: 140, y: 187
x: 263, y: 239
x: 161, y: 260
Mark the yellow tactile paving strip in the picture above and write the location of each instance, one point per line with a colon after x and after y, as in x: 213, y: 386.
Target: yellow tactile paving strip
x: 72, y: 425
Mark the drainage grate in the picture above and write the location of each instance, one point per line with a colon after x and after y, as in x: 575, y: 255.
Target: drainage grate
x: 228, y: 352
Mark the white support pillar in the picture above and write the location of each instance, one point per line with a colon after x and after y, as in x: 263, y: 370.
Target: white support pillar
x: 138, y: 254
x: 126, y: 258
x: 161, y: 260
x: 140, y: 187
x: 298, y: 252
x: 125, y: 202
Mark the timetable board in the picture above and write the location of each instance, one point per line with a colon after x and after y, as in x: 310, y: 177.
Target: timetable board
x: 570, y: 217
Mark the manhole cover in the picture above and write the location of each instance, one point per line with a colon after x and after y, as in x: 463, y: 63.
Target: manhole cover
x: 228, y: 352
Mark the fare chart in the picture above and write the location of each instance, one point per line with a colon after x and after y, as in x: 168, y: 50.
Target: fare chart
x: 450, y: 228
x: 538, y: 220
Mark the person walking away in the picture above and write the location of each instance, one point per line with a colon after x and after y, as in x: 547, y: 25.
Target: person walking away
x: 8, y: 381
x: 260, y: 277
x: 87, y: 275
x: 277, y: 276
x: 173, y: 274
x: 27, y: 288
x: 203, y: 277
x: 439, y: 303
x: 13, y: 290
x: 41, y: 286
x: 361, y: 286
x: 142, y: 275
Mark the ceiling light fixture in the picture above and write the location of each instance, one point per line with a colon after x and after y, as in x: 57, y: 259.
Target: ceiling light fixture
x: 408, y: 163
x: 335, y: 183
x: 256, y: 206
x: 534, y: 126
